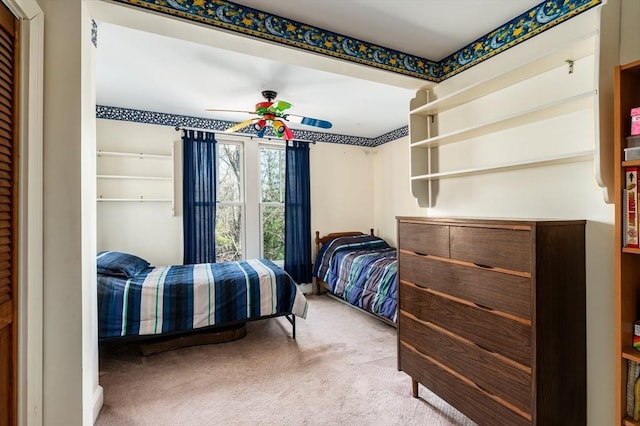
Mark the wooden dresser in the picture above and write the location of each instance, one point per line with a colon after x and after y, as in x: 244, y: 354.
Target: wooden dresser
x: 492, y: 317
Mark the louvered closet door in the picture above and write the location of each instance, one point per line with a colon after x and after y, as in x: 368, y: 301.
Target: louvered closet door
x: 8, y: 216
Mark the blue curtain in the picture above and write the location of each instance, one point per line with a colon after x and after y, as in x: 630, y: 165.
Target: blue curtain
x: 297, y: 213
x: 199, y: 196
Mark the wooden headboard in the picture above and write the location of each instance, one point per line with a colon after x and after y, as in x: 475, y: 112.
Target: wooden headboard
x: 321, y: 240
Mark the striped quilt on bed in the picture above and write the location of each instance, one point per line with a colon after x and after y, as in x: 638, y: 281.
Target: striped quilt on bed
x: 165, y: 299
x: 362, y: 270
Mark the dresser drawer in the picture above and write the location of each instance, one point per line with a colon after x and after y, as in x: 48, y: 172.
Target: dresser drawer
x: 491, y: 373
x: 477, y: 405
x: 424, y: 238
x: 499, y: 248
x: 488, y: 330
x: 495, y: 290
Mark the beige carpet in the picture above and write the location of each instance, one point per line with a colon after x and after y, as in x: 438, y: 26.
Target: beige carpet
x: 340, y: 370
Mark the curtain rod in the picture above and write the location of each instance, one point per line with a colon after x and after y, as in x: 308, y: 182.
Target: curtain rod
x: 244, y: 135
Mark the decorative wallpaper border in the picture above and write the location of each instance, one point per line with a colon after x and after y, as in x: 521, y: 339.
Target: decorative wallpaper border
x: 173, y: 120
x: 540, y: 18
x: 259, y: 24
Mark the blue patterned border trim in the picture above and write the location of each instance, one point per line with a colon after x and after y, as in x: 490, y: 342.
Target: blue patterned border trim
x: 539, y: 18
x: 253, y: 22
x: 391, y: 136
x: 173, y: 120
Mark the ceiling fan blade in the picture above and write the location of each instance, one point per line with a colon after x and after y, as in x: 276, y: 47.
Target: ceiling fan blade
x: 229, y: 110
x: 240, y: 125
x: 280, y: 106
x: 288, y: 134
x: 308, y: 121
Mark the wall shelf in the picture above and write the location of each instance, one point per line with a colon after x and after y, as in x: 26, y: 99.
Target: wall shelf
x: 574, y: 49
x: 628, y: 421
x: 137, y: 200
x: 545, y: 161
x: 631, y: 354
x: 133, y: 155
x: 426, y: 157
x: 539, y: 113
x: 135, y: 177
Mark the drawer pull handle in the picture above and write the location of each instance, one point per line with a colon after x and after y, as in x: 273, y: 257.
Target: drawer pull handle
x: 420, y: 254
x: 480, y: 265
x: 484, y: 307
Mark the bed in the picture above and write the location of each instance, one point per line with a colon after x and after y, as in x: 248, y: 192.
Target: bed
x: 137, y: 299
x: 359, y: 269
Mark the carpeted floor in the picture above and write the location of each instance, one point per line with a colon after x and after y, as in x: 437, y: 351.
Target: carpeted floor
x: 340, y: 370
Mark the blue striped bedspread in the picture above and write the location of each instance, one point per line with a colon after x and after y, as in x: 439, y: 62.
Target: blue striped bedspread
x: 361, y: 270
x: 165, y: 299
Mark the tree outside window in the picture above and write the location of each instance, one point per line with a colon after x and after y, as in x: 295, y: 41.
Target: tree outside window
x: 272, y: 178
x: 229, y: 217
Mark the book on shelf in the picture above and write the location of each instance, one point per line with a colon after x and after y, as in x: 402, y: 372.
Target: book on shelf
x: 633, y: 370
x: 625, y: 220
x: 630, y: 220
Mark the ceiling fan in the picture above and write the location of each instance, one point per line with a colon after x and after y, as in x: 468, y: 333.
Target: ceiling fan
x: 270, y: 113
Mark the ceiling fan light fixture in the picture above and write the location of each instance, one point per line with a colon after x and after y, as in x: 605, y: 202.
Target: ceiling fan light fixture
x: 279, y: 126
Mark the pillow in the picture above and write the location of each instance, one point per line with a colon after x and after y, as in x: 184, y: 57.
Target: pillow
x: 120, y: 264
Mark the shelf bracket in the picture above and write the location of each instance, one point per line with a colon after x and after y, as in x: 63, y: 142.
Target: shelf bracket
x: 570, y: 64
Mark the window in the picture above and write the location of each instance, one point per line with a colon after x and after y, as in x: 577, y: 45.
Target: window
x: 272, y: 180
x: 230, y: 208
x: 250, y: 200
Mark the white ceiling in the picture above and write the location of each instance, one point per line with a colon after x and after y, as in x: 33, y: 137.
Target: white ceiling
x: 152, y: 72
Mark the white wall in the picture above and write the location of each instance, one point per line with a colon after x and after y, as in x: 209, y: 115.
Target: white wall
x: 148, y: 229
x: 341, y: 188
x: 629, y: 35
x: 70, y: 371
x: 151, y: 231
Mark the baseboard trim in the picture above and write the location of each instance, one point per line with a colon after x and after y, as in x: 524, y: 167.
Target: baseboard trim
x: 98, y: 401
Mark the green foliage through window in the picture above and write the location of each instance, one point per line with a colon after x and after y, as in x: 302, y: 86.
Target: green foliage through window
x: 272, y: 178
x: 229, y: 209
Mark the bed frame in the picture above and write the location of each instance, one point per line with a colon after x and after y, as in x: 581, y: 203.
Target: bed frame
x: 323, y: 288
x: 320, y: 284
x: 155, y: 343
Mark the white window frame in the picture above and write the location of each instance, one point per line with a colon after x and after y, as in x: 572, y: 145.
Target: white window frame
x: 251, y: 204
x: 272, y: 145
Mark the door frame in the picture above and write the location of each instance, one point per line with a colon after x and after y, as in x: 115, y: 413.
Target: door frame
x: 30, y: 210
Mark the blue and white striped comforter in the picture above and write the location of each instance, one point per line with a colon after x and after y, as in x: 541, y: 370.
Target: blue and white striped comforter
x: 165, y: 299
x: 361, y: 270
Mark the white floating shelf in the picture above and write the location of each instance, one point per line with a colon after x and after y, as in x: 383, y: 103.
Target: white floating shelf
x: 165, y: 178
x: 133, y: 155
x: 545, y: 161
x: 553, y: 109
x: 138, y: 200
x: 571, y: 50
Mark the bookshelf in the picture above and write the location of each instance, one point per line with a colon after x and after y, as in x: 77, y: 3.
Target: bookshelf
x: 627, y: 260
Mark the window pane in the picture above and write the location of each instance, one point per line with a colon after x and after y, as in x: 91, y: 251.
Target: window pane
x: 273, y: 232
x: 228, y: 233
x: 229, y: 172
x: 272, y: 175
